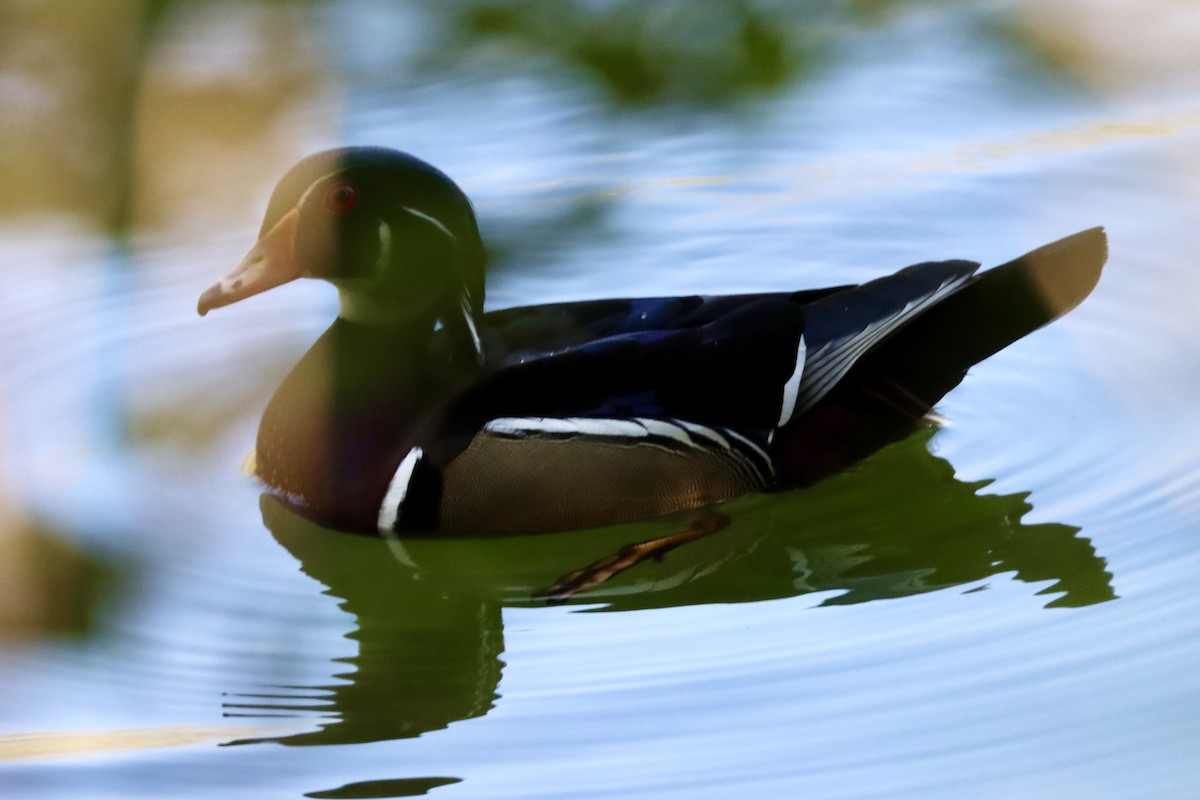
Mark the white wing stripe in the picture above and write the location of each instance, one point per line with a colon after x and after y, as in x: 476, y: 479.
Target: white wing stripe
x: 834, y: 359
x: 791, y: 389
x: 825, y: 375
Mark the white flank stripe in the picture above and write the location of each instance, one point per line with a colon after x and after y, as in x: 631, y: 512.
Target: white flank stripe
x: 515, y: 426
x: 752, y: 446
x: 667, y: 430
x: 640, y: 430
x: 389, y: 511
x: 583, y: 426
x: 624, y: 428
x: 791, y: 389
x: 706, y: 433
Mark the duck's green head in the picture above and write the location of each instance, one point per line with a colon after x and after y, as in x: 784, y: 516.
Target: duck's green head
x: 395, y: 235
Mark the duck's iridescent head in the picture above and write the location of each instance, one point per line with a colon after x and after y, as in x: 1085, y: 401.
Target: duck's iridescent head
x: 395, y: 235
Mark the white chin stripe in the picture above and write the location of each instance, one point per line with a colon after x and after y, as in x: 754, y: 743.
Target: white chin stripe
x: 397, y: 490
x: 385, y: 247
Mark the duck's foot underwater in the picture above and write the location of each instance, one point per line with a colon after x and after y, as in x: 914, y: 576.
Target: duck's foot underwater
x: 600, y: 571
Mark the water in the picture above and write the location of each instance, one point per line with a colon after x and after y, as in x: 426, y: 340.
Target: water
x: 998, y: 607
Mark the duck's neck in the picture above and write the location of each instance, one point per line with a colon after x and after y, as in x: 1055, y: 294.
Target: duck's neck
x: 360, y: 308
x: 455, y: 314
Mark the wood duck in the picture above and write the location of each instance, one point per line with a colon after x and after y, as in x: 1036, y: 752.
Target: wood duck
x: 417, y: 412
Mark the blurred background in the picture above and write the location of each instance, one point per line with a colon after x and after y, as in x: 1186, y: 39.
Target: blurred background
x: 838, y: 642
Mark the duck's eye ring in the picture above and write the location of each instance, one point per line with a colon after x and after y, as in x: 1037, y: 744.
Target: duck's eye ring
x: 340, y: 198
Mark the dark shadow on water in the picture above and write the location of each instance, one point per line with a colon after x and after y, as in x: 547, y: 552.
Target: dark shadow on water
x: 429, y: 625
x: 400, y: 787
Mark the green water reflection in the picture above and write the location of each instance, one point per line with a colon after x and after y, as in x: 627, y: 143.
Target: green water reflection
x: 430, y: 631
x: 710, y: 54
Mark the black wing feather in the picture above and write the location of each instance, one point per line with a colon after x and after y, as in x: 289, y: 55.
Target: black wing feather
x: 726, y: 373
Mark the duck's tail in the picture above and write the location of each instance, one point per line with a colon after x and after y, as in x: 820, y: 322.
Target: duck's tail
x: 896, y: 383
x: 932, y: 354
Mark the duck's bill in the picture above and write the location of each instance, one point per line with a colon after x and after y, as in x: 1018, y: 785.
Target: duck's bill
x: 270, y: 263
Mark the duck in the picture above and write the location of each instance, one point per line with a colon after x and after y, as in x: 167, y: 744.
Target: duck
x: 420, y: 413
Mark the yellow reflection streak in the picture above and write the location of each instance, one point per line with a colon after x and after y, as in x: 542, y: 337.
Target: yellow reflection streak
x: 864, y: 174
x: 972, y: 158
x: 67, y: 744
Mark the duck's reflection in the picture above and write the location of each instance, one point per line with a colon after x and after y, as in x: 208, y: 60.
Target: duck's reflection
x: 430, y: 633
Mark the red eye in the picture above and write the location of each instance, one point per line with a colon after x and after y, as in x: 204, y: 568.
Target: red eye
x: 340, y: 198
